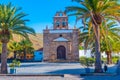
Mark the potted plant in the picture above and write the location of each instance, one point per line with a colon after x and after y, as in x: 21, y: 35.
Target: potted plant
x: 15, y: 63
x: 86, y: 62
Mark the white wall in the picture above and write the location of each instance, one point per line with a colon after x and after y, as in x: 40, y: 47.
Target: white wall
x: 87, y: 53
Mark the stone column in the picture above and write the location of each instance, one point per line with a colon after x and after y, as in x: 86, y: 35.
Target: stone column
x: 46, y: 44
x: 75, y: 44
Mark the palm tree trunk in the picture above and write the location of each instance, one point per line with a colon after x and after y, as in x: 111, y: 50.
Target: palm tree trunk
x: 15, y: 54
x: 98, y: 64
x: 109, y: 57
x: 4, y: 59
x: 97, y: 21
x: 24, y: 54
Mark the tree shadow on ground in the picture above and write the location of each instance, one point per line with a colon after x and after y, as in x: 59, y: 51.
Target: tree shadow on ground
x: 111, y: 70
x: 67, y: 71
x: 109, y: 75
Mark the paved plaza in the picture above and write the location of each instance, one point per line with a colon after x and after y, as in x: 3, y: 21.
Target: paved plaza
x: 71, y: 71
x: 59, y: 78
x: 55, y: 68
x: 50, y: 68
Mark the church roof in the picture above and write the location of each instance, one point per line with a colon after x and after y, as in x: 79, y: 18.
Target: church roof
x: 61, y: 39
x: 61, y: 31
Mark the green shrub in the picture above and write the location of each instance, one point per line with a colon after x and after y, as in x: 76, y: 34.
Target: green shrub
x: 86, y: 62
x: 81, y: 48
x: 104, y: 60
x: 115, y: 59
x: 15, y: 63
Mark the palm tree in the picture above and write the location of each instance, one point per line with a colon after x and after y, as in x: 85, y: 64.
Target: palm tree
x: 87, y: 36
x: 14, y: 47
x: 96, y: 11
x: 11, y: 22
x: 109, y: 37
x: 26, y: 47
x: 116, y: 47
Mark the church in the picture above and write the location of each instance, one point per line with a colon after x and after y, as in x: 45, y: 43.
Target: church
x: 61, y: 44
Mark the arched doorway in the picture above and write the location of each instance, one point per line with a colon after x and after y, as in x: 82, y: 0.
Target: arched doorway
x: 61, y: 52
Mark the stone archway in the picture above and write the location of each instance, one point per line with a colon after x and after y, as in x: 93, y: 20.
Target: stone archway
x: 61, y: 52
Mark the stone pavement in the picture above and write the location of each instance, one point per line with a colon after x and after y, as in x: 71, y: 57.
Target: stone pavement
x: 50, y: 68
x: 55, y: 68
x: 34, y: 78
x: 68, y: 77
x: 71, y: 71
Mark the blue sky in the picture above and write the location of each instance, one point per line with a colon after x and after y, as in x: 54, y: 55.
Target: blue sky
x: 41, y: 12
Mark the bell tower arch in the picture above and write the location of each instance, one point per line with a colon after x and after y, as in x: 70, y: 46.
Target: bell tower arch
x: 60, y: 20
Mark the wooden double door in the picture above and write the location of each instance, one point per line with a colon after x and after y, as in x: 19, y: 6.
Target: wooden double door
x: 61, y: 52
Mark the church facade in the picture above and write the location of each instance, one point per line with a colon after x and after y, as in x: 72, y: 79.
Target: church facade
x: 60, y: 43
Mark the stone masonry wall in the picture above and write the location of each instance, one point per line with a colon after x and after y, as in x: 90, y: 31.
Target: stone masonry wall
x: 50, y: 46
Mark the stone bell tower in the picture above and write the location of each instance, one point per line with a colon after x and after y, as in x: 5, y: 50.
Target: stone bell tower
x: 60, y: 44
x: 60, y: 21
